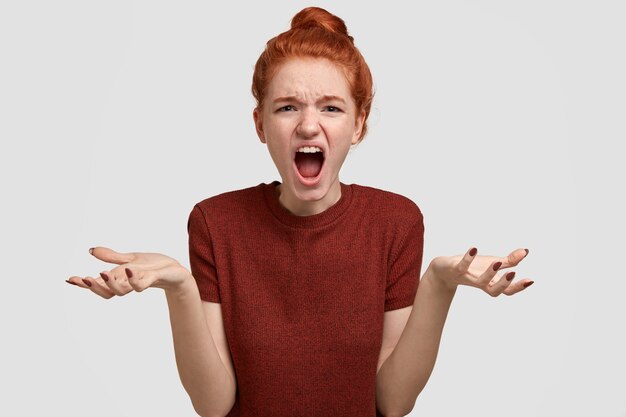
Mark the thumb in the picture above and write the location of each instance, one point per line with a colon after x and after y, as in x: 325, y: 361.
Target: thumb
x: 109, y: 255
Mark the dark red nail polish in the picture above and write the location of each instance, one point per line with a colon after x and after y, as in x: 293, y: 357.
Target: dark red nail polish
x: 129, y: 274
x: 497, y: 266
x: 70, y: 282
x: 510, y: 275
x: 526, y: 251
x: 528, y: 284
x: 87, y: 283
x: 473, y: 251
x: 104, y: 277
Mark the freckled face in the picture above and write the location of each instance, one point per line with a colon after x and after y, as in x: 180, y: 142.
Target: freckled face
x: 308, y: 102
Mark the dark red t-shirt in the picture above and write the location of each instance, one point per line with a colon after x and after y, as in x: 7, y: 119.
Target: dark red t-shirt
x: 303, y: 297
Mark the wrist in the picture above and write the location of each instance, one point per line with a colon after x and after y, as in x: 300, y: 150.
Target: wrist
x: 186, y: 288
x: 438, y: 282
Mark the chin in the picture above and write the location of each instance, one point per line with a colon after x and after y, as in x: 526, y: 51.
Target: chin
x: 307, y: 193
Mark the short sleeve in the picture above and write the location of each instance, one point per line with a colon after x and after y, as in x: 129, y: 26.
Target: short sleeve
x: 405, y: 267
x: 201, y: 256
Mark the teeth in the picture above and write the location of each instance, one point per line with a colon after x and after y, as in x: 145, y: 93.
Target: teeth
x: 309, y: 149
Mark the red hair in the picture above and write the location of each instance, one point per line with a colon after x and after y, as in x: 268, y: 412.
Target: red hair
x: 317, y: 33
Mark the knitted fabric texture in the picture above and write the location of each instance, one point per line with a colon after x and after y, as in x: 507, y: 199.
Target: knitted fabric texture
x: 303, y: 297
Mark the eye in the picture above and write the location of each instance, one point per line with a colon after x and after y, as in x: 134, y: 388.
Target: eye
x: 333, y: 109
x: 286, y: 108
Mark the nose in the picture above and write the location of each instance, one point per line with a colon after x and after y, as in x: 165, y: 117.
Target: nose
x: 309, y: 124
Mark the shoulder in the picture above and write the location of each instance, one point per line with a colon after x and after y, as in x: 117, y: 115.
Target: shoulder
x: 226, y: 207
x: 389, y: 204
x: 228, y: 201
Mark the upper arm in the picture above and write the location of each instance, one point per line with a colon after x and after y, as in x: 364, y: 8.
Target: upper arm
x: 394, y: 323
x: 213, y: 314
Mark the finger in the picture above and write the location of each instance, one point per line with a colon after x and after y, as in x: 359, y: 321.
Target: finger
x: 464, y: 264
x: 111, y: 256
x: 502, y: 284
x: 517, y: 287
x: 98, y: 286
x: 140, y: 280
x: 514, y: 258
x: 76, y: 281
x: 487, y: 277
x: 118, y: 286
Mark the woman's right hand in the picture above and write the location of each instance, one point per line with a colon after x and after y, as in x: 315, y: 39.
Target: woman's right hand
x: 135, y: 271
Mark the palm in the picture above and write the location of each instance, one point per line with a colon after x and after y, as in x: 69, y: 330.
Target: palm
x: 146, y: 269
x: 478, y: 271
x: 147, y: 260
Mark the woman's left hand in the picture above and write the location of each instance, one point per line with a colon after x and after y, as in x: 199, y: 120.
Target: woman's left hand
x: 480, y: 272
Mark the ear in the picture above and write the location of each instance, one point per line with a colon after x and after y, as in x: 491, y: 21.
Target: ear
x: 258, y: 123
x: 360, y: 120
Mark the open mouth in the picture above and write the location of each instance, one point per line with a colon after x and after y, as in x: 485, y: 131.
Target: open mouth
x: 309, y: 165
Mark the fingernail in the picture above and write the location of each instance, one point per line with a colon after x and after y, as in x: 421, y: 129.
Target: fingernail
x: 129, y: 274
x: 528, y: 284
x: 510, y: 275
x: 526, y: 251
x: 70, y: 282
x: 87, y: 283
x: 91, y: 251
x: 473, y: 251
x: 497, y: 266
x: 104, y: 277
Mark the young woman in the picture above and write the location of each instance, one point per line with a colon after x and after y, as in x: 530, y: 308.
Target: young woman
x: 304, y: 296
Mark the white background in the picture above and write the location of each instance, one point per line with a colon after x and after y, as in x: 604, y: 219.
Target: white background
x: 501, y: 120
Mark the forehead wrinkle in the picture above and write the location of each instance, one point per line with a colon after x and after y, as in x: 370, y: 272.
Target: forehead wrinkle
x: 313, y: 97
x: 299, y: 88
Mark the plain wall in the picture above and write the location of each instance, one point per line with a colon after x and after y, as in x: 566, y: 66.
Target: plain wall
x: 501, y: 120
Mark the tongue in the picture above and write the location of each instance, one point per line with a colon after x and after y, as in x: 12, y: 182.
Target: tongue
x: 309, y: 164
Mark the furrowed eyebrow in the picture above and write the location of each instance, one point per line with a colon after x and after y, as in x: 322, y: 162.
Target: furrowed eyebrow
x: 323, y: 98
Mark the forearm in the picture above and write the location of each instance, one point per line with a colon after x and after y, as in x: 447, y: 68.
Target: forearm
x: 405, y: 372
x: 200, y: 367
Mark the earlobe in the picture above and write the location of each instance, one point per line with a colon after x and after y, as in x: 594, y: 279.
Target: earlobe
x: 258, y: 124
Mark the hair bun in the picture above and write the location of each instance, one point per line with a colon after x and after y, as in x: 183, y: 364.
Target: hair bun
x: 311, y: 17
